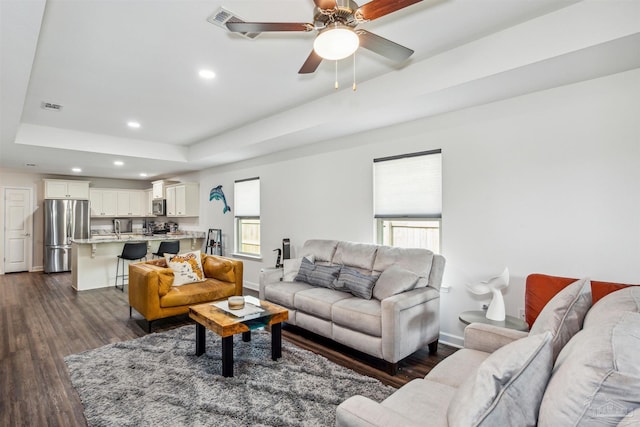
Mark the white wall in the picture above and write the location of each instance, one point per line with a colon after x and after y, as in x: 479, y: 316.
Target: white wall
x: 546, y: 182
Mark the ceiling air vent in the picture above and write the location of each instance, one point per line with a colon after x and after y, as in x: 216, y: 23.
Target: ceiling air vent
x: 222, y: 16
x: 50, y: 106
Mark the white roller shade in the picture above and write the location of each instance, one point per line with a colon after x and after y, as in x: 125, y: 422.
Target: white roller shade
x: 409, y: 186
x: 247, y: 197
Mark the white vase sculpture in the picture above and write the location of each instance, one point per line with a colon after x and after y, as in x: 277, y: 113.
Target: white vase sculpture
x: 495, y: 285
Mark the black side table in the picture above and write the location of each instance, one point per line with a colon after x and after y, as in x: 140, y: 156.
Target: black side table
x: 479, y: 316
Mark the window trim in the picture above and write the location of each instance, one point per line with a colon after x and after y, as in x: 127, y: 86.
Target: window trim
x: 379, y: 229
x: 238, y: 243
x: 237, y: 237
x: 381, y: 211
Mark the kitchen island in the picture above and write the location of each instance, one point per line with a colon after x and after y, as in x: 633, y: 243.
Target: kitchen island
x: 93, y: 260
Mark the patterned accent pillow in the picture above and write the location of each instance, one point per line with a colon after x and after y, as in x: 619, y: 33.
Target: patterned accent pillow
x: 318, y: 275
x: 187, y: 268
x: 359, y: 284
x: 306, y: 267
x: 292, y: 267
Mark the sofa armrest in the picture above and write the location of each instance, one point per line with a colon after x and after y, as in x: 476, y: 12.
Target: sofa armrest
x: 489, y: 338
x: 358, y: 411
x: 144, y: 288
x: 269, y: 275
x: 410, y: 320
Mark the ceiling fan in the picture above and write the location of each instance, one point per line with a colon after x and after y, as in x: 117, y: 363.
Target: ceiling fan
x: 338, y: 37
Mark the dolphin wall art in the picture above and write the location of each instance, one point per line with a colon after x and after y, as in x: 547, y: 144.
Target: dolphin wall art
x: 218, y: 194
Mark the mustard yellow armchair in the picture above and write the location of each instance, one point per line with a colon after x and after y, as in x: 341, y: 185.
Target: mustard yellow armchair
x: 152, y: 294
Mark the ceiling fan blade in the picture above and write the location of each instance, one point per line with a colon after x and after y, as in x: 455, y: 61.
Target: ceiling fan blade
x: 383, y: 47
x: 311, y: 64
x: 377, y: 8
x: 325, y: 4
x: 260, y: 27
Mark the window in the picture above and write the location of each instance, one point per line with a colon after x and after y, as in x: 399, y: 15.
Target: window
x: 408, y: 200
x: 247, y: 216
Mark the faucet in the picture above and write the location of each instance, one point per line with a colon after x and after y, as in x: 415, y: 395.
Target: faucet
x: 116, y: 227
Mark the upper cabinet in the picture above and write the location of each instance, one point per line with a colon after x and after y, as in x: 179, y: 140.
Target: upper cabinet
x: 130, y: 203
x: 104, y: 202
x: 159, y: 188
x: 183, y: 199
x: 107, y: 202
x: 61, y: 189
x: 147, y: 202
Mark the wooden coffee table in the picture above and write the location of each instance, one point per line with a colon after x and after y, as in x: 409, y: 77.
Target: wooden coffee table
x: 227, y: 325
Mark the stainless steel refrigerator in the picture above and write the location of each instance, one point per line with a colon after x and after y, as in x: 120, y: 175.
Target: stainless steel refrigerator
x: 63, y: 220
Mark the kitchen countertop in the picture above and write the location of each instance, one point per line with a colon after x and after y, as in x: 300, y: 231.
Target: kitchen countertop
x: 124, y: 237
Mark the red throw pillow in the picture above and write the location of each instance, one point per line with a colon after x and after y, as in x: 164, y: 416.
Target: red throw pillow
x: 540, y: 288
x: 600, y: 290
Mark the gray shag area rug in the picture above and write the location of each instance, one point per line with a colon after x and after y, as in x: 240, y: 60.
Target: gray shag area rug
x: 158, y: 380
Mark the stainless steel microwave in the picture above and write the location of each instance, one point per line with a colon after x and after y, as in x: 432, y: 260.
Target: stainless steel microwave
x: 159, y: 207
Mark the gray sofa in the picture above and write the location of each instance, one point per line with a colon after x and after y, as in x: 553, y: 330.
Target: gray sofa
x: 570, y: 370
x: 401, y: 316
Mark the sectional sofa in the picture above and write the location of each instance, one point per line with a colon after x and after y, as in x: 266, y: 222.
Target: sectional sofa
x: 578, y: 366
x: 383, y: 301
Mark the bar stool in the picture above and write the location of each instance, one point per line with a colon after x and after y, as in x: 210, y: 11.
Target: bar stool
x: 167, y: 247
x: 131, y: 252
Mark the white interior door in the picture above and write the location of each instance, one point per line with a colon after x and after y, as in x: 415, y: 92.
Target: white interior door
x: 17, y: 229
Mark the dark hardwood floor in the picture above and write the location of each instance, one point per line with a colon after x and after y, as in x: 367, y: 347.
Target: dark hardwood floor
x: 42, y: 320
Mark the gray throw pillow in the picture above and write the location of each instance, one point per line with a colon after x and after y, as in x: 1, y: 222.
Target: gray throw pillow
x: 318, y: 275
x: 359, y: 284
x: 394, y: 280
x: 304, y: 271
x: 507, y: 388
x: 292, y: 267
x: 564, y: 313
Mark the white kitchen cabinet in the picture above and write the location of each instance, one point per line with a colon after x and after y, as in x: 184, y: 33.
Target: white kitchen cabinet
x: 147, y: 202
x: 183, y: 199
x: 103, y: 202
x: 62, y: 189
x: 170, y: 194
x: 136, y: 205
x: 129, y: 203
x: 159, y: 188
x: 111, y: 202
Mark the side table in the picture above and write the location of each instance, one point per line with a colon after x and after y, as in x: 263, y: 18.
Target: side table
x: 479, y: 316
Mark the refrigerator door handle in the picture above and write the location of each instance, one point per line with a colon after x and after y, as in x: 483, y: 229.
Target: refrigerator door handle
x: 69, y: 222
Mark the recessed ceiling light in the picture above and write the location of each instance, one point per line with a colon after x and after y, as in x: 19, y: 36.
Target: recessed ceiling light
x: 142, y: 174
x: 76, y: 170
x: 207, y: 74
x: 118, y: 163
x: 134, y: 125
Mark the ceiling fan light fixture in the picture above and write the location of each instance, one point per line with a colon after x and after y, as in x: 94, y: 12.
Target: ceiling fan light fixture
x: 336, y: 42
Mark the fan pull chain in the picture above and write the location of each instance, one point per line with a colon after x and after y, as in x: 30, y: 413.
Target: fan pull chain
x: 336, y: 84
x: 354, y: 72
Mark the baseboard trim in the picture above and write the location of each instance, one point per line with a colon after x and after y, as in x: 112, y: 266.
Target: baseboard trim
x: 251, y: 285
x: 452, y: 340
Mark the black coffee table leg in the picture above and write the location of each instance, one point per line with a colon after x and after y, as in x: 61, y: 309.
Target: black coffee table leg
x: 227, y: 356
x: 200, y: 339
x: 276, y: 341
x: 246, y: 336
